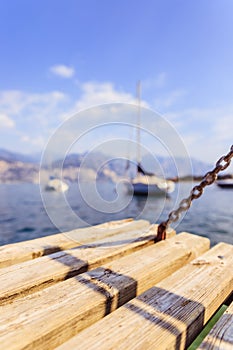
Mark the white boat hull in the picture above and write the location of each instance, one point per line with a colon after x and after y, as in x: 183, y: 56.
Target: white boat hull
x: 142, y: 188
x: 56, y: 185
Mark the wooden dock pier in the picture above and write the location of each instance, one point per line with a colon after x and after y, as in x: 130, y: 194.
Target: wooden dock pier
x: 111, y: 287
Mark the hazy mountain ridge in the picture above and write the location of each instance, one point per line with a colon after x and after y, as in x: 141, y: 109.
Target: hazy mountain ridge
x: 16, y: 167
x: 11, y: 157
x: 15, y: 171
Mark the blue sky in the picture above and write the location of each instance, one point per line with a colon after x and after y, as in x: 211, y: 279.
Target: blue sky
x: 59, y: 57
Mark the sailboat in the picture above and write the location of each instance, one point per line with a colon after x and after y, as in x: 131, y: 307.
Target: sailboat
x: 145, y: 183
x: 55, y: 184
x: 225, y: 183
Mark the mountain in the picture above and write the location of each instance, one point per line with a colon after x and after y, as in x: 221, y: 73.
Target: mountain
x: 169, y: 167
x: 17, y: 167
x: 17, y: 171
x: 71, y: 160
x: 10, y: 157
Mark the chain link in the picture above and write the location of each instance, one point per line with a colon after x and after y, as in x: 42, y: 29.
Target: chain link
x: 195, y: 193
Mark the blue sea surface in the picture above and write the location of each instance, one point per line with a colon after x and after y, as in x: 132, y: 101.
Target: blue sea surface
x: 24, y: 216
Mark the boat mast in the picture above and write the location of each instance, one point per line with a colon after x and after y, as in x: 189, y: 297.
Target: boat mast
x: 138, y: 126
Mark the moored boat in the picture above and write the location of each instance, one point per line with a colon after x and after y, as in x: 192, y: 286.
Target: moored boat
x: 55, y: 184
x: 225, y: 183
x: 145, y: 183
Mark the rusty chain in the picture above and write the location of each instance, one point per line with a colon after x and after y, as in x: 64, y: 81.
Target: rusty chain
x: 195, y: 193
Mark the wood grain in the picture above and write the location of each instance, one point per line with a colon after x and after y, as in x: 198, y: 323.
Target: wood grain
x: 168, y: 315
x: 221, y: 335
x: 11, y: 254
x: 18, y: 280
x: 47, y: 318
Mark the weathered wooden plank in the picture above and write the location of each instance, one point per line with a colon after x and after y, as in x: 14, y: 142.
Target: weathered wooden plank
x: 11, y: 254
x: 47, y: 318
x: 221, y: 335
x: 37, y: 274
x: 170, y: 314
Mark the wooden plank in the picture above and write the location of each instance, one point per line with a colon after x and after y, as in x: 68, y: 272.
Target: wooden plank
x: 221, y: 335
x: 47, y: 318
x: 11, y: 254
x: 29, y: 276
x: 170, y: 314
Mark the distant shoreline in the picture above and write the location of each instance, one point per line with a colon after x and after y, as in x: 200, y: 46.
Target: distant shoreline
x: 187, y: 178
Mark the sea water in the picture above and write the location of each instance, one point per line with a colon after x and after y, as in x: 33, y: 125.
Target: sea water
x: 24, y: 216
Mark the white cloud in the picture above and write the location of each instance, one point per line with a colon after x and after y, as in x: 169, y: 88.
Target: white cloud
x: 24, y: 106
x: 25, y: 138
x: 63, y: 71
x: 37, y: 141
x: 158, y: 82
x: 96, y: 94
x: 100, y: 93
x: 207, y: 132
x: 6, y: 122
x: 169, y: 99
x: 38, y: 114
x: 223, y: 126
x: 34, y: 114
